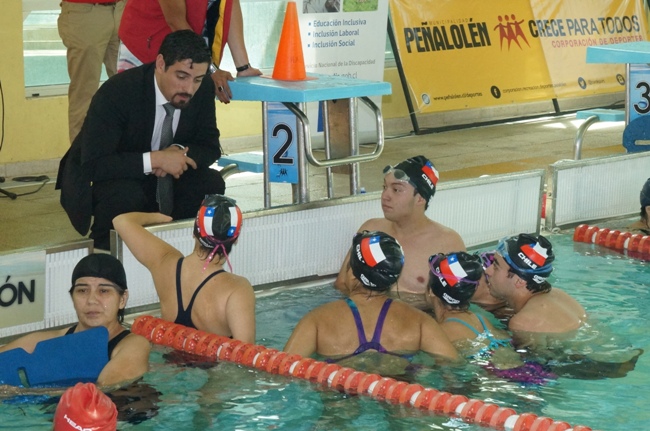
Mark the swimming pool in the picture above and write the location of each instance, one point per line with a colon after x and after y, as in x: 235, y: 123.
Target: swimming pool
x: 612, y: 287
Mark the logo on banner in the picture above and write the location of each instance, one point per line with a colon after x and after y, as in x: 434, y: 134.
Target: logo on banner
x: 510, y: 31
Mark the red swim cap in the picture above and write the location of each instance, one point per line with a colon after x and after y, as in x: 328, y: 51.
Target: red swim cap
x: 84, y: 407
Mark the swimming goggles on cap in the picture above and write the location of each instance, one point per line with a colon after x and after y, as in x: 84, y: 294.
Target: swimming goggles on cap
x: 399, y: 174
x: 487, y: 259
x: 438, y: 274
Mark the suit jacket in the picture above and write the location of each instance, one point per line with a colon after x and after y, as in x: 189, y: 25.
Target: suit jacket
x: 117, y: 131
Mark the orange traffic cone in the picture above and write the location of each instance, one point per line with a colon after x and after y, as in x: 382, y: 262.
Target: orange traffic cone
x: 289, y: 62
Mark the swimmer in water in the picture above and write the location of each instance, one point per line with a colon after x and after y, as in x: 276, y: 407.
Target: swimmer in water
x: 382, y: 324
x: 408, y: 188
x: 453, y: 281
x: 643, y: 224
x: 99, y: 295
x: 195, y: 290
x: 522, y: 265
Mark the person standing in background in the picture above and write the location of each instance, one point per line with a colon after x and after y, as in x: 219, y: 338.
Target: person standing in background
x: 147, y: 22
x: 88, y: 29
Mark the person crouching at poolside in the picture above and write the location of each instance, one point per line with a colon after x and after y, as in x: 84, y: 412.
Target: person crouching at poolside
x: 99, y: 295
x: 381, y: 323
x: 195, y: 290
x: 522, y: 265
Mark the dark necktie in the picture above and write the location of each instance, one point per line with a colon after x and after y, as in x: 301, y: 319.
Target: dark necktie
x: 165, y: 189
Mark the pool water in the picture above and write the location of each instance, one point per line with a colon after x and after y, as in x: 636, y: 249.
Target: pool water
x: 612, y: 287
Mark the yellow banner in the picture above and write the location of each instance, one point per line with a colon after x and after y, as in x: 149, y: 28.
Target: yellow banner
x: 459, y: 54
x: 565, y: 30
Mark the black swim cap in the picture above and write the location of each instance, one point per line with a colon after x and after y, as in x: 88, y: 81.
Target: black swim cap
x: 218, y: 221
x: 454, y: 277
x: 376, y: 259
x: 420, y: 173
x: 100, y: 265
x: 529, y: 257
x: 645, y: 194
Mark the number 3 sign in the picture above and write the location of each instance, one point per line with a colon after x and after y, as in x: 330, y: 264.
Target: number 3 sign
x: 283, y: 152
x: 638, y: 91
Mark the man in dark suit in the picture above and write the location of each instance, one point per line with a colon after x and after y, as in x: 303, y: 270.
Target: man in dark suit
x: 120, y: 156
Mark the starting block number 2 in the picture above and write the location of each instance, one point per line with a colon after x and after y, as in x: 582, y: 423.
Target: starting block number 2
x: 283, y: 149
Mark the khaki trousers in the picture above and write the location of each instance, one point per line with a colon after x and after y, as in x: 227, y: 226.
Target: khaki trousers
x: 89, y: 32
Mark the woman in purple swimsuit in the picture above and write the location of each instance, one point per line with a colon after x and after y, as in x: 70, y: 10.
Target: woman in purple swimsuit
x: 382, y: 324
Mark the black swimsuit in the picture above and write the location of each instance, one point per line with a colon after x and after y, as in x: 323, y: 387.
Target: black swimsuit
x: 112, y: 343
x: 184, y: 316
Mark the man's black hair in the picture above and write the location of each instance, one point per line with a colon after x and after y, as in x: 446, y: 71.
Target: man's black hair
x: 183, y: 45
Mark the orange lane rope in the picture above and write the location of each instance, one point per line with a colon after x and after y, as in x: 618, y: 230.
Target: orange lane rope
x: 344, y: 379
x: 636, y: 245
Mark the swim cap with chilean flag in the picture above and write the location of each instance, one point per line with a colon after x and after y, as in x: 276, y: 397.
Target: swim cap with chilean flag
x: 376, y: 259
x: 529, y: 257
x: 422, y: 175
x: 218, y: 221
x: 84, y: 407
x: 454, y: 277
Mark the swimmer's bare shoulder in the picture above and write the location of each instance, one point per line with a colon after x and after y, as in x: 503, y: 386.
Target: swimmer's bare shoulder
x: 447, y: 239
x: 379, y: 224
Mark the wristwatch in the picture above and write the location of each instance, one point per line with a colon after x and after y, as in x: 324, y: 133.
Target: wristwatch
x: 212, y: 68
x: 244, y: 67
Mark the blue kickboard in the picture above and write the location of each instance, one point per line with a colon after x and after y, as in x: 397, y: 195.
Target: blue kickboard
x: 602, y: 114
x: 248, y: 162
x: 61, y: 361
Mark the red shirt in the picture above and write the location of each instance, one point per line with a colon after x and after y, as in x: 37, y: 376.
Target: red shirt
x: 143, y: 26
x: 92, y: 1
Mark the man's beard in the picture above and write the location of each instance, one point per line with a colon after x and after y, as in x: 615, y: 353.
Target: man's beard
x: 180, y: 103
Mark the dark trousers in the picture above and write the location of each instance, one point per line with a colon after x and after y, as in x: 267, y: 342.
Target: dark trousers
x: 114, y: 197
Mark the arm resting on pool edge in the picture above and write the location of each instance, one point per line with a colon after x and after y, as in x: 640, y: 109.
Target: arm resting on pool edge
x: 150, y: 250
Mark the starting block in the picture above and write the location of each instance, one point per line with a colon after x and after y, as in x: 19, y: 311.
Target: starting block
x: 252, y: 161
x: 602, y: 114
x: 592, y: 116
